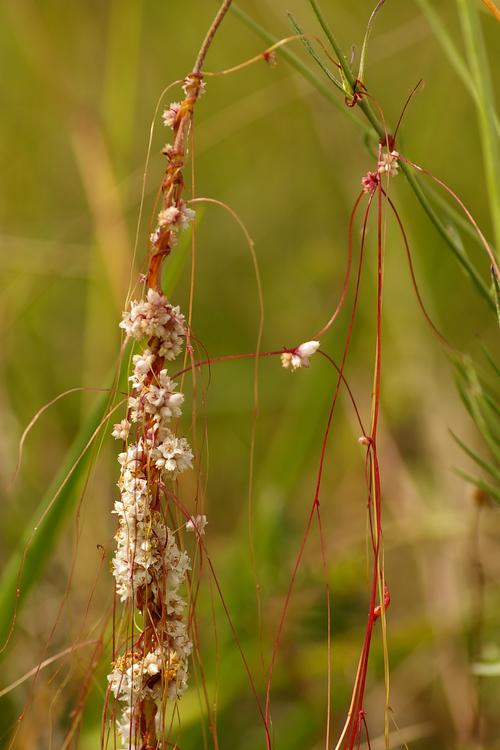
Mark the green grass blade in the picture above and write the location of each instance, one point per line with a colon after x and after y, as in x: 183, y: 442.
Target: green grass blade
x: 479, y: 403
x: 362, y: 57
x: 346, y: 69
x: 310, y: 49
x: 27, y: 562
x: 490, y: 360
x: 448, y: 236
x: 444, y: 38
x: 489, y: 468
x: 496, y: 292
x: 455, y: 59
x: 481, y: 75
x: 446, y: 207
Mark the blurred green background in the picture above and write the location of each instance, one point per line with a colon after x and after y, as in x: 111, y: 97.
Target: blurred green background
x: 80, y: 85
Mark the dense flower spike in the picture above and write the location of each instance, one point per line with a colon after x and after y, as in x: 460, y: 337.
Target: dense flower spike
x: 148, y: 566
x: 136, y: 677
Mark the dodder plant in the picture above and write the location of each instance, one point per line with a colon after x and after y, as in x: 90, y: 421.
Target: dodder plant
x: 149, y: 568
x: 154, y: 633
x: 148, y: 565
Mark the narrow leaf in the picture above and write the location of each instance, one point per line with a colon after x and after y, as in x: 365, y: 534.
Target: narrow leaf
x: 495, y: 473
x: 310, y: 49
x: 490, y: 489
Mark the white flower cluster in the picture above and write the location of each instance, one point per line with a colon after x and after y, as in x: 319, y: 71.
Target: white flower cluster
x: 299, y: 357
x: 171, y: 220
x: 388, y: 164
x: 156, y: 398
x: 135, y: 677
x: 176, y: 216
x: 154, y: 317
x: 148, y: 565
x: 173, y: 454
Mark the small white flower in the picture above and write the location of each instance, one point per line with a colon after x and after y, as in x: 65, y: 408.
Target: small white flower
x: 290, y: 361
x: 142, y: 368
x: 388, y: 164
x: 155, y: 236
x: 173, y: 454
x: 306, y: 350
x: 168, y: 216
x: 197, y: 523
x: 186, y: 215
x: 132, y: 457
x: 170, y: 114
x: 152, y: 663
x: 299, y: 357
x: 121, y: 430
x: 175, y: 604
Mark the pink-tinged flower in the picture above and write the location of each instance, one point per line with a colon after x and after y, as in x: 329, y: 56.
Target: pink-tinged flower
x: 155, y: 236
x: 168, y: 216
x: 170, y: 114
x: 176, y: 217
x: 155, y: 316
x: 299, y: 357
x: 194, y: 85
x: 370, y: 182
x: 197, y: 523
x: 186, y: 217
x: 121, y: 430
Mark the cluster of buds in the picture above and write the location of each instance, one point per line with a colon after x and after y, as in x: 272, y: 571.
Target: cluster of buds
x: 149, y: 568
x: 174, y: 215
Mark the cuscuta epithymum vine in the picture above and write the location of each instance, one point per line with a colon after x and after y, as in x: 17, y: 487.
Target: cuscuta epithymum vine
x: 149, y: 567
x: 157, y: 662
